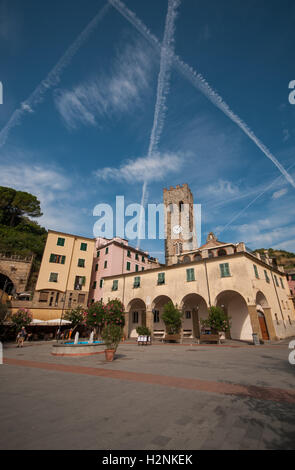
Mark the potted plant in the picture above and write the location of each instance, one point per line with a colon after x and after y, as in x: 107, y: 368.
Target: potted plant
x: 111, y: 335
x: 113, y: 321
x: 172, y: 317
x: 217, y: 321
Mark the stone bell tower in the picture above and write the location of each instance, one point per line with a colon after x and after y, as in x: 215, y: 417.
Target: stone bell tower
x: 180, y: 232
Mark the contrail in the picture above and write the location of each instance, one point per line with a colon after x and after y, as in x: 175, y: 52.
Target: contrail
x: 199, y: 82
x: 253, y: 200
x: 52, y: 78
x: 162, y: 92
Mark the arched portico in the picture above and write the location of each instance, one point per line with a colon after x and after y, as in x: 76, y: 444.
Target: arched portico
x: 157, y: 309
x: 137, y: 316
x: 194, y: 308
x: 235, y: 306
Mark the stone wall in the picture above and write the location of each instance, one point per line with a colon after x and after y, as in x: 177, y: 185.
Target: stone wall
x: 17, y: 269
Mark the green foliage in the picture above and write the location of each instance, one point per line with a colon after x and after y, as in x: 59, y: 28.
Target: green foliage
x: 111, y: 335
x: 143, y: 331
x: 172, y: 317
x: 21, y: 318
x: 3, y: 313
x: 16, y: 204
x: 94, y: 317
x: 75, y: 316
x: 217, y: 320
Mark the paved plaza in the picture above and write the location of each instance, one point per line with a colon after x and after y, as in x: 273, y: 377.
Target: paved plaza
x: 232, y: 396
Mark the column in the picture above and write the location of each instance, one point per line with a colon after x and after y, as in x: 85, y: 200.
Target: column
x: 150, y: 321
x: 269, y: 323
x: 126, y: 326
x: 254, y: 320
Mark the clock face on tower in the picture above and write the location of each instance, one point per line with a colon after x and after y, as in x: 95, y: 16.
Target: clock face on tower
x: 177, y: 229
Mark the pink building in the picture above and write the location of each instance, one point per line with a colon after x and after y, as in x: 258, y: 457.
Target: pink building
x: 291, y: 282
x: 113, y: 257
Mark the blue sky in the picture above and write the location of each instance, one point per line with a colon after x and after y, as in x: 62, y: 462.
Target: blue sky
x: 86, y: 139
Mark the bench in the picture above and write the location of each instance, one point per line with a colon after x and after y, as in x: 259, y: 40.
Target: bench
x: 209, y: 339
x: 171, y: 338
x: 144, y: 340
x: 159, y: 334
x: 187, y: 333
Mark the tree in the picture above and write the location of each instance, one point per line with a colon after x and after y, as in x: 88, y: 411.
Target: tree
x: 172, y: 317
x: 94, y: 317
x: 217, y: 320
x: 21, y: 318
x: 75, y: 316
x: 16, y: 204
x: 111, y: 335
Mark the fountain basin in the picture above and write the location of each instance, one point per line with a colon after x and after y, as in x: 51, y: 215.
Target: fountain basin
x: 82, y: 348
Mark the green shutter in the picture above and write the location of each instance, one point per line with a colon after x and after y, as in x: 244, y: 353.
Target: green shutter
x: 52, y: 258
x: 63, y: 259
x: 224, y: 270
x: 60, y: 241
x: 96, y: 267
x: 136, y: 281
x: 128, y: 266
x: 256, y: 271
x: 83, y: 247
x: 161, y: 278
x: 190, y: 274
x: 101, y: 283
x: 115, y: 284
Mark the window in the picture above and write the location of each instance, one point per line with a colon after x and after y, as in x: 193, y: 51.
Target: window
x: 224, y: 270
x: 136, y: 256
x: 136, y: 282
x: 128, y: 254
x: 83, y: 247
x: 57, y: 259
x: 136, y: 268
x: 188, y: 315
x: 266, y: 276
x: 161, y: 278
x: 221, y: 253
x: 128, y: 266
x: 107, y: 250
x: 101, y: 283
x: 277, y: 320
x: 43, y: 297
x: 156, y: 316
x: 105, y: 264
x: 142, y: 268
x: 289, y: 320
x: 53, y: 277
x: 81, y: 263
x: 256, y: 271
x: 276, y: 281
x: 96, y: 267
x: 282, y: 284
x: 98, y: 254
x: 143, y: 259
x: 135, y: 317
x: 94, y: 285
x: 115, y: 284
x: 79, y: 282
x: 81, y: 298
x: 190, y: 274
x: 61, y: 241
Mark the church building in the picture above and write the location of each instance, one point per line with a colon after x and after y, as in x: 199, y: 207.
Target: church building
x: 250, y: 288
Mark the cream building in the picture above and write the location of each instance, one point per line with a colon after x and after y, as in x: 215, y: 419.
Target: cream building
x: 250, y: 288
x: 64, y: 277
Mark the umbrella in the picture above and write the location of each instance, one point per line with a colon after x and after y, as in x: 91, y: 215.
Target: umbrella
x: 57, y: 321
x: 36, y: 321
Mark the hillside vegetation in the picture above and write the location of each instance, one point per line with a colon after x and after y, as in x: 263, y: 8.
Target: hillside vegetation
x: 284, y: 258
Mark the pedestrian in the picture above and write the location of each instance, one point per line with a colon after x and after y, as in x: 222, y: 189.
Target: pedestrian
x: 21, y: 337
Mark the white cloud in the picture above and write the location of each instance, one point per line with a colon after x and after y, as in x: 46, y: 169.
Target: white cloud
x: 149, y: 169
x: 280, y: 193
x: 117, y: 93
x: 224, y: 188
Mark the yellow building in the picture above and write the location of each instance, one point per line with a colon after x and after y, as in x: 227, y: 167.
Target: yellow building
x: 64, y: 277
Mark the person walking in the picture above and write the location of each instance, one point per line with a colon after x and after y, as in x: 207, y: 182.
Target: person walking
x: 21, y: 337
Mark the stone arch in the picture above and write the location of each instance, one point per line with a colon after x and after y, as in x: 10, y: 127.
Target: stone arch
x: 186, y: 259
x: 221, y: 252
x: 157, y: 309
x: 196, y: 305
x: 7, y: 283
x: 262, y: 307
x: 136, y: 316
x: 235, y: 306
x: 198, y: 257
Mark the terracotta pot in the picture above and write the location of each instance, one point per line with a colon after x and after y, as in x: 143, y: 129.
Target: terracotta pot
x: 109, y: 353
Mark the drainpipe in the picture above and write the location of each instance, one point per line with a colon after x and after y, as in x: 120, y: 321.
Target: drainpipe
x: 63, y: 306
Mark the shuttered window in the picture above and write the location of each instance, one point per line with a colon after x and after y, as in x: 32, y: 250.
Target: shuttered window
x: 190, y: 274
x: 81, y: 263
x: 256, y: 271
x: 136, y: 282
x: 83, y: 247
x: 224, y: 270
x: 60, y: 241
x: 161, y: 278
x: 115, y: 284
x: 53, y: 277
x: 266, y: 276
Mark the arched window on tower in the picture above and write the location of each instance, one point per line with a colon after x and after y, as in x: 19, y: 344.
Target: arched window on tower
x: 181, y: 206
x: 221, y: 253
